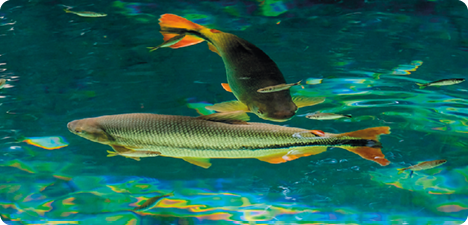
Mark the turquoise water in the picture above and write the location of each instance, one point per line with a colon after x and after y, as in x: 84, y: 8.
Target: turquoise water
x: 369, y: 54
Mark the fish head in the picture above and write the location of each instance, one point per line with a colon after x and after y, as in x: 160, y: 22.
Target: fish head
x: 276, y: 111
x: 441, y: 161
x: 89, y: 129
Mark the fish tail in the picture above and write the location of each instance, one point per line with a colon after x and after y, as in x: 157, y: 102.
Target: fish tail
x: 421, y: 86
x: 401, y: 170
x: 67, y: 11
x: 173, y: 25
x: 371, y: 149
x: 111, y: 154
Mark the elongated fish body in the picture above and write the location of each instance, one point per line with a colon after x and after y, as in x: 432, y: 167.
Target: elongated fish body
x: 248, y: 68
x: 326, y: 116
x: 443, y: 82
x: 424, y: 165
x: 198, y: 139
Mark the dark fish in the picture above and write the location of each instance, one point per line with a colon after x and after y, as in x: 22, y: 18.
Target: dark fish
x: 247, y: 68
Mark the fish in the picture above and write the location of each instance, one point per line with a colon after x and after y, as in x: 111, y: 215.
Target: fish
x: 443, y: 82
x: 2, y: 83
x: 221, y: 135
x: 279, y: 87
x: 248, y: 69
x: 423, y: 166
x: 136, y: 155
x: 326, y: 116
x: 151, y: 202
x: 86, y: 13
x: 169, y: 42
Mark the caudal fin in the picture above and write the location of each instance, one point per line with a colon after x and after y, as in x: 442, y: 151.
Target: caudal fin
x: 421, y: 86
x: 372, y: 149
x: 401, y: 170
x: 173, y: 25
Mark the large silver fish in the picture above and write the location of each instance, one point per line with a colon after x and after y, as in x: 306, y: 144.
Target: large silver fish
x: 198, y: 139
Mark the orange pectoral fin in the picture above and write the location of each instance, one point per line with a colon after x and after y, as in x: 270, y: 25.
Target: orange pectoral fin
x: 226, y: 87
x: 293, y: 154
x: 372, y: 154
x: 201, y: 162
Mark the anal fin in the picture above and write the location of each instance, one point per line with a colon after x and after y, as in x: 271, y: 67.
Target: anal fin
x: 292, y: 154
x: 120, y: 148
x: 201, y: 162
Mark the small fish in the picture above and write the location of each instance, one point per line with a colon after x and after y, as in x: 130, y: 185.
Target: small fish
x: 86, y: 13
x: 150, y: 203
x: 134, y: 154
x: 2, y: 83
x: 172, y: 41
x: 326, y: 116
x: 279, y: 87
x: 423, y: 166
x: 443, y: 82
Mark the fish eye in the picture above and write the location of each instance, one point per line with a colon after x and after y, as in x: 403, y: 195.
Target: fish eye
x: 259, y: 111
x: 78, y: 131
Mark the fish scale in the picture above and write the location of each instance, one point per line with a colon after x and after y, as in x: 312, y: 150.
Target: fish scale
x: 187, y: 132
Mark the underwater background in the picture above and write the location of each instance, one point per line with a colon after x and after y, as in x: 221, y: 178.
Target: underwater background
x: 368, y: 55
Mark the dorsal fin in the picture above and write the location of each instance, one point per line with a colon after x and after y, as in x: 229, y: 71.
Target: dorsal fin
x: 236, y: 117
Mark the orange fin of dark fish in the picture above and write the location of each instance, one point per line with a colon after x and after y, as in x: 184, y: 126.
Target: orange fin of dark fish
x: 226, y: 87
x: 236, y: 117
x: 292, y: 154
x: 201, y: 162
x: 119, y: 148
x: 168, y: 21
x: 213, y: 49
x: 302, y: 101
x: 230, y: 106
x: 369, y: 153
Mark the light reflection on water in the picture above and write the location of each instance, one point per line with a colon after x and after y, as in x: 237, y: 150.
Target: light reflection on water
x: 366, y: 63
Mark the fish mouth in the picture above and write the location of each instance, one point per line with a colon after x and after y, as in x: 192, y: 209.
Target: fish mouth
x: 71, y: 126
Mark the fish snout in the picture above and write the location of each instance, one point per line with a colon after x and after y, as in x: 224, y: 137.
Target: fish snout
x: 72, y: 126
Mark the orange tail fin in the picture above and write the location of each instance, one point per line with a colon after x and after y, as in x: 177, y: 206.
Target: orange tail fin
x: 173, y: 25
x: 369, y: 153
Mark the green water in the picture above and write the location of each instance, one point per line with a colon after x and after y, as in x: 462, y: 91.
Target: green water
x: 369, y: 54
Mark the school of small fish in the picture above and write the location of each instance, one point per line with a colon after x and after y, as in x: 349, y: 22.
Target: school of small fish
x: 259, y: 87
